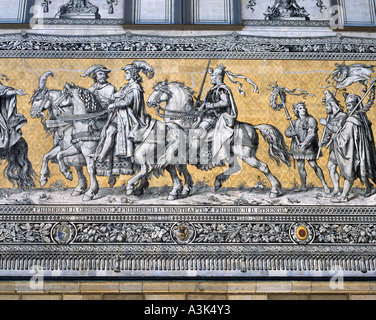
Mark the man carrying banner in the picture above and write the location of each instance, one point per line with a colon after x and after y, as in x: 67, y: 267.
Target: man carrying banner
x: 355, y: 149
x: 305, y: 144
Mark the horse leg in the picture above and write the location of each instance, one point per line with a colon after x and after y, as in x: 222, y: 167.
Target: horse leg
x: 87, y: 150
x: 45, y: 171
x: 132, y: 182
x: 177, y: 184
x: 82, y: 183
x: 263, y: 167
x: 111, y: 180
x: 188, y: 181
x: 234, y: 167
x: 64, y: 169
x: 144, y: 184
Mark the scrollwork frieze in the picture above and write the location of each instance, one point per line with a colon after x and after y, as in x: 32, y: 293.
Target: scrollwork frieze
x: 138, y: 234
x: 229, y: 46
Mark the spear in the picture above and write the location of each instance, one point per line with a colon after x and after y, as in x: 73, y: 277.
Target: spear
x: 322, y: 139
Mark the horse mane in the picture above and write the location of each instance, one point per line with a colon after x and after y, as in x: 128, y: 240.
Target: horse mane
x: 187, y: 90
x: 180, y: 85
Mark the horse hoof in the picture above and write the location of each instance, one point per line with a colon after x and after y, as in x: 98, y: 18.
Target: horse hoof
x: 43, y: 182
x: 172, y: 197
x: 111, y: 181
x: 275, y: 194
x: 217, y: 186
x: 130, y: 192
x: 87, y: 198
x: 186, y: 192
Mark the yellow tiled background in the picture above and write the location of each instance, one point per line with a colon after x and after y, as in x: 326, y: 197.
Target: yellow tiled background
x: 254, y: 108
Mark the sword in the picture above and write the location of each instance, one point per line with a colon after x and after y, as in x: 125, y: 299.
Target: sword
x: 198, y: 98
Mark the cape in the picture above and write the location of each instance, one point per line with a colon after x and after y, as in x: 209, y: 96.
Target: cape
x: 10, y: 121
x: 355, y: 150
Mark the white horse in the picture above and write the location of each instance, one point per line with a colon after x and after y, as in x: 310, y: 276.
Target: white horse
x: 180, y: 109
x: 160, y: 150
x: 44, y: 100
x: 85, y: 134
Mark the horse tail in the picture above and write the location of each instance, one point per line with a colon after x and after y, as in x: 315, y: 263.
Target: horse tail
x: 278, y: 150
x: 19, y: 169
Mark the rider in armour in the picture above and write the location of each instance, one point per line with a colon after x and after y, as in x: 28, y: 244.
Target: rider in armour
x: 217, y: 114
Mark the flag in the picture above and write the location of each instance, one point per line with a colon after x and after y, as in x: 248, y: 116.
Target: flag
x: 345, y: 76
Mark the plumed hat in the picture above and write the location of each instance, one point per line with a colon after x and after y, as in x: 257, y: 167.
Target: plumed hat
x: 142, y: 66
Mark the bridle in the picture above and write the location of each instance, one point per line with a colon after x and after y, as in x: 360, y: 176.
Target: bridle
x: 161, y: 111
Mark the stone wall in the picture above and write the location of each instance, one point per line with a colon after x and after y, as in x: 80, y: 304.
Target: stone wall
x: 187, y: 290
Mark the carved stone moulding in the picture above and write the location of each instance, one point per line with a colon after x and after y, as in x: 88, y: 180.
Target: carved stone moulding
x: 137, y: 241
x: 287, y: 23
x: 233, y: 46
x: 75, y: 21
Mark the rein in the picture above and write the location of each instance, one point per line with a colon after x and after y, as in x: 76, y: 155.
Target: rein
x: 179, y: 114
x: 161, y: 112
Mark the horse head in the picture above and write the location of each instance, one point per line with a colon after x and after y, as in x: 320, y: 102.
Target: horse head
x: 40, y: 97
x: 69, y: 89
x: 161, y: 93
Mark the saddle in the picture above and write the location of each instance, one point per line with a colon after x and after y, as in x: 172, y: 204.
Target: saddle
x: 205, y: 155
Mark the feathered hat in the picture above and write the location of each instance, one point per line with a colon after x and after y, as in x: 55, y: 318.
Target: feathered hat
x: 94, y: 69
x: 142, y: 66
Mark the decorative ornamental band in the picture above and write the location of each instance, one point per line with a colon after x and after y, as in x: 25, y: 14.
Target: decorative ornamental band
x: 233, y: 46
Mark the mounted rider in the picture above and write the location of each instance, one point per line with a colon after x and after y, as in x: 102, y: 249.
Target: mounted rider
x: 128, y: 114
x: 217, y: 115
x: 101, y: 87
x: 104, y: 91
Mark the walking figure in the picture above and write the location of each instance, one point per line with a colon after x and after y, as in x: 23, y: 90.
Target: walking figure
x: 305, y: 144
